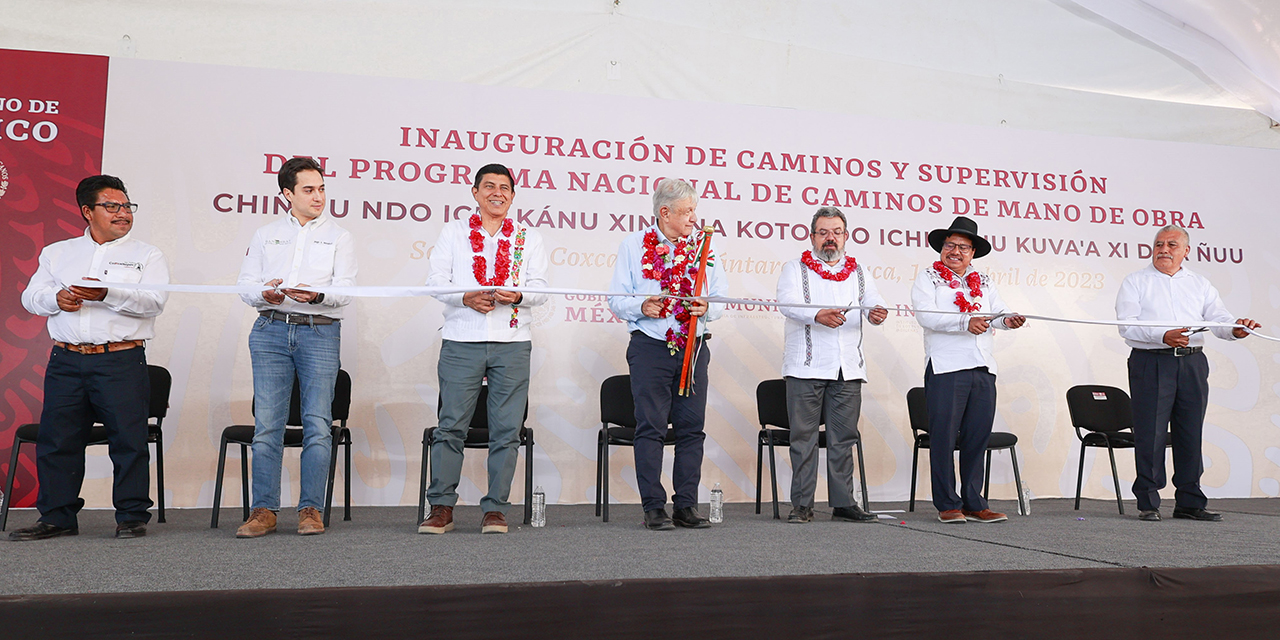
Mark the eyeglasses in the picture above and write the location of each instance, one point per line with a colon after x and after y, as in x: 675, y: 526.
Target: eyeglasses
x: 962, y: 248
x: 830, y: 233
x: 115, y: 207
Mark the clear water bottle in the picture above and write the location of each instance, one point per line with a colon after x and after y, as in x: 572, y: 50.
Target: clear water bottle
x: 1024, y: 502
x: 717, y: 505
x: 539, y: 518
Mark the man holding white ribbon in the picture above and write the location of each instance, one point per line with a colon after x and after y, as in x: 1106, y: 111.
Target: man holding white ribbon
x: 487, y: 335
x: 297, y: 334
x: 663, y: 259
x: 960, y: 374
x: 98, y: 365
x: 1169, y: 374
x: 823, y: 364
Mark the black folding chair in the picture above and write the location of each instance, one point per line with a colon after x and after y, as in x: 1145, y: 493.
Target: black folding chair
x: 1102, y: 417
x: 242, y: 434
x: 771, y: 406
x: 617, y: 428
x: 161, y: 381
x: 478, y: 438
x: 918, y: 412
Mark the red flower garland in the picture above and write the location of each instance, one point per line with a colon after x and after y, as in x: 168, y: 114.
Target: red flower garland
x: 673, y: 270
x: 817, y: 267
x: 501, y: 260
x: 973, y: 280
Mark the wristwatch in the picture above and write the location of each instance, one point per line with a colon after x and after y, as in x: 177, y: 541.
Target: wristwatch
x: 318, y: 299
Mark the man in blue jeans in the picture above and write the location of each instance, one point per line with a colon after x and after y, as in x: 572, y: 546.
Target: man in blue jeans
x: 297, y: 334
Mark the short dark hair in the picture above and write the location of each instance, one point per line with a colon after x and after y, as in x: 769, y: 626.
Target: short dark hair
x: 288, y: 175
x: 495, y: 169
x: 89, y: 188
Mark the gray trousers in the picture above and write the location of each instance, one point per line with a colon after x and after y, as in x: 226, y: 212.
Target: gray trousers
x: 807, y: 401
x: 463, y: 367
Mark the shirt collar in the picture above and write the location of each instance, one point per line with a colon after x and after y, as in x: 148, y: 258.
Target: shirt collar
x: 1183, y: 272
x: 312, y: 224
x: 121, y: 240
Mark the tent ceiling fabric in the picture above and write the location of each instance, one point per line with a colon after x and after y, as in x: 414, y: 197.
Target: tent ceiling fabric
x: 1038, y: 64
x: 1236, y: 43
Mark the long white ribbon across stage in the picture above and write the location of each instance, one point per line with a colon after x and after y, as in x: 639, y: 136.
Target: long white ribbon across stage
x: 418, y: 291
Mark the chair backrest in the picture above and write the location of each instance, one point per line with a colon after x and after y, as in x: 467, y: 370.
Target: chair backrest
x: 771, y: 404
x: 918, y: 410
x: 161, y: 381
x: 341, y: 407
x: 617, y: 407
x: 1099, y: 408
x: 480, y: 417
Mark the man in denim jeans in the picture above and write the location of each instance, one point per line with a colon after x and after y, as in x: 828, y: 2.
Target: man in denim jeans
x: 297, y: 334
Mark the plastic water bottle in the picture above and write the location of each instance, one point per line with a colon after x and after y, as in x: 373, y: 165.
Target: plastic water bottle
x: 717, y: 505
x: 1024, y: 502
x: 539, y: 518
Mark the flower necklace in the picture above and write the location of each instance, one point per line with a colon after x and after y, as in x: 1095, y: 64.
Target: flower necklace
x: 672, y: 269
x: 973, y: 280
x: 503, y: 263
x: 849, y: 265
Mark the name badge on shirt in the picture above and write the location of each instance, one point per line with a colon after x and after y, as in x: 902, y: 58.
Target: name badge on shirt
x: 278, y: 241
x: 136, y: 266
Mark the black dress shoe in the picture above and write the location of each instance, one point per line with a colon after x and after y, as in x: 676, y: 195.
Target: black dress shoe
x: 1149, y: 516
x: 688, y: 518
x: 852, y: 514
x: 1196, y: 514
x: 134, y: 529
x: 658, y: 520
x: 800, y: 515
x: 41, y: 531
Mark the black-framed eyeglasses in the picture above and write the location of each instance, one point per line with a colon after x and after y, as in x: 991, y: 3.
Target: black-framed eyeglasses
x: 951, y: 246
x: 114, y: 207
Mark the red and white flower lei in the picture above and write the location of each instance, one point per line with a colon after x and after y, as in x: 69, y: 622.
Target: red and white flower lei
x: 503, y: 266
x: 675, y: 270
x: 973, y: 280
x: 817, y: 267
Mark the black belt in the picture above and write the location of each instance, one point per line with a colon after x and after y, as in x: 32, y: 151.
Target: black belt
x: 296, y: 318
x: 1177, y: 352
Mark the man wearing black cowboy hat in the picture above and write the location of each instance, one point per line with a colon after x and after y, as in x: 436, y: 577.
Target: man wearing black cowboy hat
x: 960, y: 374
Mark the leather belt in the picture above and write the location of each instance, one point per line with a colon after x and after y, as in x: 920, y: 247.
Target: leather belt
x: 90, y: 349
x: 1177, y: 352
x: 297, y: 318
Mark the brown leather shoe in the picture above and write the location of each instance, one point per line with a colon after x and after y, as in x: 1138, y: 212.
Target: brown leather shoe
x: 440, y: 520
x: 986, y: 515
x: 261, y: 522
x: 951, y: 516
x: 310, y: 522
x: 494, y: 522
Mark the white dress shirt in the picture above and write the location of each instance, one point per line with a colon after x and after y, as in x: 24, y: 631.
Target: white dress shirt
x: 815, y: 351
x: 947, y: 341
x: 628, y: 277
x: 1185, y: 297
x: 451, y: 265
x: 318, y: 254
x: 124, y: 314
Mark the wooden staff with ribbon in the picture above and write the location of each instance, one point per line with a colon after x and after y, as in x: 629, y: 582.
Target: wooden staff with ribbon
x: 693, y: 335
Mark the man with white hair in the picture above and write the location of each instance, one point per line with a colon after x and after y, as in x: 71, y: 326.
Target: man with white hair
x: 662, y: 261
x: 1168, y: 374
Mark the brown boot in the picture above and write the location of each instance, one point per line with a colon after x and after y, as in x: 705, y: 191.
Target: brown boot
x: 440, y: 520
x: 309, y: 522
x: 494, y: 522
x: 261, y: 522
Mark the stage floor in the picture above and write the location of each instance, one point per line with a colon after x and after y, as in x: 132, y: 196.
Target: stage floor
x: 380, y: 547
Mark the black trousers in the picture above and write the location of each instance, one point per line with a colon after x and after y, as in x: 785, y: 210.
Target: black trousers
x: 111, y: 388
x: 1170, y: 395
x: 962, y: 407
x: 655, y: 382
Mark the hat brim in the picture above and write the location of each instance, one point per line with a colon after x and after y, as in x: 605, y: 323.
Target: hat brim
x: 938, y: 237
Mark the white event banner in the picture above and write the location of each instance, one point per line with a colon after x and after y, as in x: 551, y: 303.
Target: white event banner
x: 1069, y: 217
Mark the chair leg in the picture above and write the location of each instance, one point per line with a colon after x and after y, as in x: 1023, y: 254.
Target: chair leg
x: 915, y: 467
x: 1080, y: 476
x: 160, y: 473
x: 334, y: 438
x: 346, y: 477
x: 773, y: 479
x: 604, y: 505
x: 862, y: 473
x: 528, y: 477
x: 245, y: 502
x: 8, y: 484
x: 759, y: 472
x: 422, y: 479
x: 1017, y: 476
x: 217, y: 485
x: 1116, y: 477
x: 986, y: 479
x: 599, y: 455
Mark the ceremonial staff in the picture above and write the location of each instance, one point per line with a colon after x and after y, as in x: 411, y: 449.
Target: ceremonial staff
x: 686, y: 381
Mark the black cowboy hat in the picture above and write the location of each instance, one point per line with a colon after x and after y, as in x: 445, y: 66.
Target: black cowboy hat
x: 960, y: 226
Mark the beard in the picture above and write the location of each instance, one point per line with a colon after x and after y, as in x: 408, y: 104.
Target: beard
x: 830, y: 253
